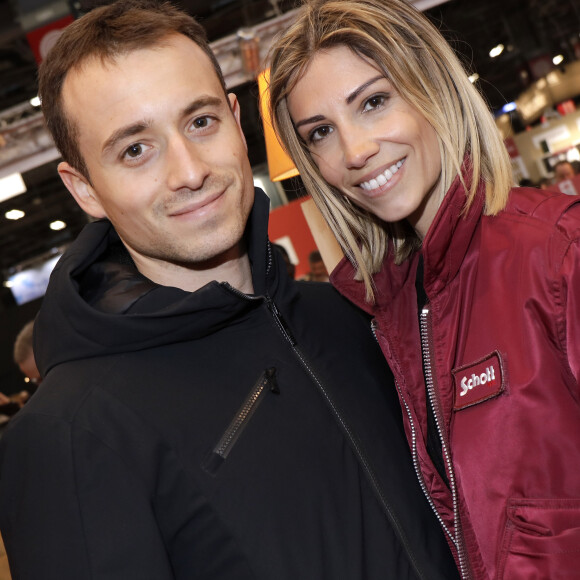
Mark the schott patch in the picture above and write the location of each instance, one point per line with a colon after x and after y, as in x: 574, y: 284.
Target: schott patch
x: 478, y: 381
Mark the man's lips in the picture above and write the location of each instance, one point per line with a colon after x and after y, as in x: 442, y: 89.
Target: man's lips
x: 196, y: 204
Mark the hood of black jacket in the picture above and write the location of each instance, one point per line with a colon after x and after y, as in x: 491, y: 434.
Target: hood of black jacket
x: 98, y: 304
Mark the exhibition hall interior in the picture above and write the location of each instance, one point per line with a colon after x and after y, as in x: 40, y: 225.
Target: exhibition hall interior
x: 523, y: 55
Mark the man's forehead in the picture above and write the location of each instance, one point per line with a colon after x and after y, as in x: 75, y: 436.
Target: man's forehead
x: 182, y: 53
x: 105, y: 63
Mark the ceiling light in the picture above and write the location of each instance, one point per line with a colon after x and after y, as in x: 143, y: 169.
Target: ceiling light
x: 57, y: 225
x: 558, y: 59
x: 473, y: 78
x: 11, y: 185
x: 496, y: 50
x: 14, y: 214
x: 509, y: 107
x: 7, y: 284
x: 35, y: 101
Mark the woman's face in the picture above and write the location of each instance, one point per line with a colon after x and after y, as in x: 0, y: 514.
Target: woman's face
x: 366, y: 140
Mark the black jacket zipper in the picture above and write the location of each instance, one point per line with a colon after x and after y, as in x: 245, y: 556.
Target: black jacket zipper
x: 351, y: 438
x: 363, y: 460
x: 266, y: 383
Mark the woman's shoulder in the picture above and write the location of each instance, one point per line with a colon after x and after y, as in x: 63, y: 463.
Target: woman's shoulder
x: 543, y: 222
x: 549, y: 207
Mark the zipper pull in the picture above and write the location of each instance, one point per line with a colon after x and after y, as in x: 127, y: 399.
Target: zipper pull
x: 280, y: 320
x: 271, y: 380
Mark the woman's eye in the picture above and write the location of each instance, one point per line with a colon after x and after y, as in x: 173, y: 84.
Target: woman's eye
x: 319, y: 133
x: 374, y: 102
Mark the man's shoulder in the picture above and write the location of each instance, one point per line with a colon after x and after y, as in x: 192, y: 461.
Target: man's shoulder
x: 321, y: 303
x: 324, y: 294
x: 72, y: 390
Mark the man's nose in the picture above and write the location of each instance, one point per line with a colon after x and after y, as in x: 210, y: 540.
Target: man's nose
x: 186, y: 166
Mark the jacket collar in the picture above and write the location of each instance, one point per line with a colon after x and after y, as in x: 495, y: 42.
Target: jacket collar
x: 448, y: 239
x: 112, y: 283
x: 443, y: 249
x: 126, y: 312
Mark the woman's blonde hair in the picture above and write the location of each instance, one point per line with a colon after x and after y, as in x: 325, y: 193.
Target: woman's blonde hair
x: 400, y: 42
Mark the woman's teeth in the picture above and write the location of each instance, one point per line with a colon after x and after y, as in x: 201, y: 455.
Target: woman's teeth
x: 383, y: 178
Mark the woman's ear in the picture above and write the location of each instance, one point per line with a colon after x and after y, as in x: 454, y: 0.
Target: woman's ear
x: 81, y: 190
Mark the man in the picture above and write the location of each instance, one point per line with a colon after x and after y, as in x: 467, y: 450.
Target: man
x: 24, y: 359
x: 563, y: 170
x: 318, y: 271
x: 193, y: 422
x: 24, y: 354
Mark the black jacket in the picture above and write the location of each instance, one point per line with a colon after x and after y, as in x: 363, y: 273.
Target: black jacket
x: 209, y: 435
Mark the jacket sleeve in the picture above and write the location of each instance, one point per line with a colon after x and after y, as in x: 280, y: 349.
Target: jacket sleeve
x: 71, y: 510
x: 570, y: 289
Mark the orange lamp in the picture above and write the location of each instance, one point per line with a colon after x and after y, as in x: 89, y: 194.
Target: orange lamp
x: 280, y: 166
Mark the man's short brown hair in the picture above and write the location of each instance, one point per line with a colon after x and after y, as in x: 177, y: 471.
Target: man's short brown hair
x: 106, y: 33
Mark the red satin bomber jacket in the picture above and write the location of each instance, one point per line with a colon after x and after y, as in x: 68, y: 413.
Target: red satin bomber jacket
x: 499, y: 347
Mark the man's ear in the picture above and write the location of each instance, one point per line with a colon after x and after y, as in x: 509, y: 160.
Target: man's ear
x: 235, y: 105
x: 81, y: 190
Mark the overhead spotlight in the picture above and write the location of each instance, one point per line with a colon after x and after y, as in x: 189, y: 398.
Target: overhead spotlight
x: 14, y: 214
x: 508, y: 107
x: 35, y: 101
x: 558, y: 59
x: 57, y: 225
x: 473, y: 78
x: 7, y: 284
x: 496, y: 50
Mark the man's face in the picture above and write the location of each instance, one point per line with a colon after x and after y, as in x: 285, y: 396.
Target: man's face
x: 318, y: 272
x: 563, y: 171
x: 166, y: 157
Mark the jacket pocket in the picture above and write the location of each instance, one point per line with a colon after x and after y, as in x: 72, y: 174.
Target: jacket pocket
x: 541, y: 540
x: 214, y: 459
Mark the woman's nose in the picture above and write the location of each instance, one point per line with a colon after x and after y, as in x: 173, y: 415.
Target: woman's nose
x: 358, y: 147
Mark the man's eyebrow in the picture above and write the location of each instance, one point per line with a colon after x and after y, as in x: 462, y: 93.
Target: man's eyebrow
x: 349, y: 99
x: 139, y: 126
x: 123, y: 133
x: 203, y: 101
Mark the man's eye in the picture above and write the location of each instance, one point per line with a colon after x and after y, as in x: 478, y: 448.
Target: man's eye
x: 134, y: 150
x: 202, y: 122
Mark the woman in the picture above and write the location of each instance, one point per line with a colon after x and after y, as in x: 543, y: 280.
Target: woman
x: 472, y: 283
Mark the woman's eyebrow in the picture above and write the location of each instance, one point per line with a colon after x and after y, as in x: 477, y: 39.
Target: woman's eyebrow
x: 360, y: 89
x: 351, y: 97
x: 310, y: 120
